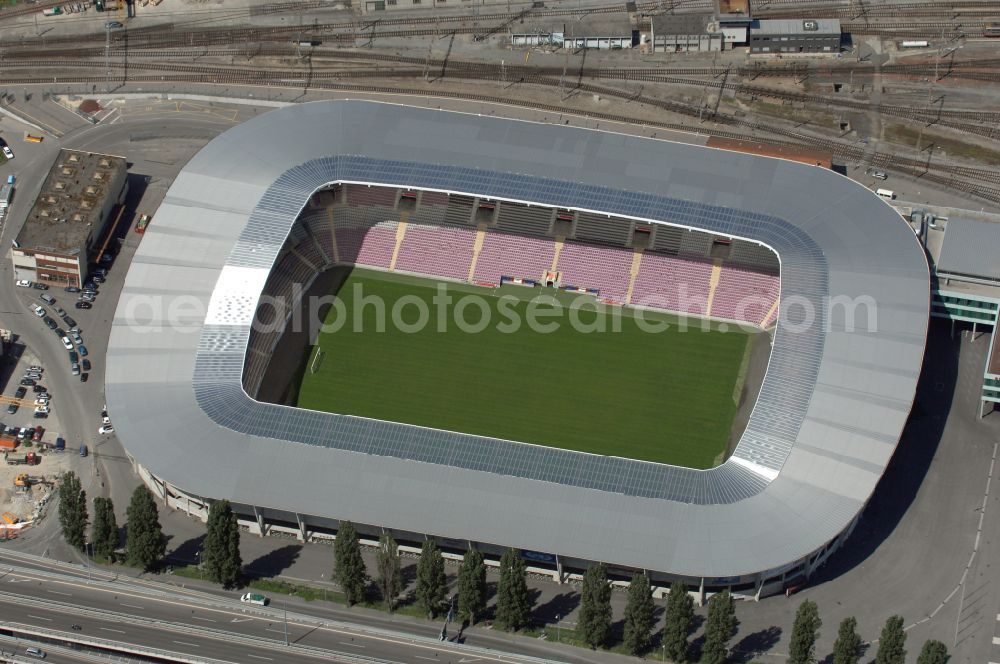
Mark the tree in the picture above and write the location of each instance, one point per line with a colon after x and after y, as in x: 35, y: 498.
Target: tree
x: 513, y: 602
x: 390, y: 577
x: 639, y: 615
x: 349, y: 566
x: 847, y: 648
x: 721, y: 626
x: 933, y: 652
x: 104, y: 529
x: 472, y: 586
x: 890, y: 644
x: 220, y: 553
x: 73, y: 510
x: 594, y: 622
x: 432, y: 586
x: 144, y: 541
x: 804, y: 633
x: 680, y: 618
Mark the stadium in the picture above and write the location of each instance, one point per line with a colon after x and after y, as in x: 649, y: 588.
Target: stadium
x: 663, y: 452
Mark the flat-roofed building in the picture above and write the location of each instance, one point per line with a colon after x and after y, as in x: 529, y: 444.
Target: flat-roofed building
x: 65, y: 226
x: 786, y: 36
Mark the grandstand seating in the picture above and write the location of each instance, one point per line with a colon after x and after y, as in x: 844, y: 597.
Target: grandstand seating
x: 433, y: 198
x: 601, y: 228
x: 517, y: 218
x: 359, y: 195
x: 367, y: 246
x: 318, y: 224
x: 744, y: 295
x: 667, y: 282
x: 438, y: 251
x: 514, y: 256
x: 592, y: 266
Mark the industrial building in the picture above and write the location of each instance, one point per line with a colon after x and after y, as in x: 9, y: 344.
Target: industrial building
x: 66, y: 225
x: 823, y: 430
x: 790, y: 36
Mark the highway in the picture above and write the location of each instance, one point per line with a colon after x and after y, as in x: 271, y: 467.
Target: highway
x: 198, y: 626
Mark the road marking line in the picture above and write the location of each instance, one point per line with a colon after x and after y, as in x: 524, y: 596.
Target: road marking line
x: 133, y: 606
x: 39, y: 617
x: 205, y: 619
x: 422, y: 657
x: 185, y: 643
x: 270, y: 659
x: 56, y: 592
x: 277, y: 631
x: 108, y: 629
x: 355, y: 645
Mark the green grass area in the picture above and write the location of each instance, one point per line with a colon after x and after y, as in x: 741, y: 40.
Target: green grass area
x: 664, y: 397
x: 911, y: 136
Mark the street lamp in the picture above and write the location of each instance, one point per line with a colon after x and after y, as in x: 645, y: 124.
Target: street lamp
x: 558, y: 630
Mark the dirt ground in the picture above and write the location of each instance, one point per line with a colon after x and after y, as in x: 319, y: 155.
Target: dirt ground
x: 31, y: 505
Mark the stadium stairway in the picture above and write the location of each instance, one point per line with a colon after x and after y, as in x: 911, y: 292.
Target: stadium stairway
x: 404, y: 218
x: 770, y: 314
x: 333, y: 236
x: 477, y: 246
x: 633, y: 274
x: 713, y: 284
x: 558, y: 250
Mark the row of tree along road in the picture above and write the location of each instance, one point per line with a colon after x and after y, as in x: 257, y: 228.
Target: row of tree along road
x: 220, y: 562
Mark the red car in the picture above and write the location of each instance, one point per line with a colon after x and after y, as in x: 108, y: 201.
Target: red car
x: 37, y: 436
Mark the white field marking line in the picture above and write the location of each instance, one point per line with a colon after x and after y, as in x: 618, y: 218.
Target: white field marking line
x: 39, y: 617
x: 422, y: 657
x: 204, y: 619
x: 185, y: 643
x: 109, y: 629
x: 400, y: 640
x: 56, y: 592
x: 358, y: 645
x: 133, y: 606
x: 270, y: 659
x: 276, y: 631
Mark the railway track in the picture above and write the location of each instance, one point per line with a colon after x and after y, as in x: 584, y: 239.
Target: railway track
x: 970, y: 180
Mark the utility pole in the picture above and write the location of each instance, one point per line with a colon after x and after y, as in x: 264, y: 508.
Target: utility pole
x: 285, y: 606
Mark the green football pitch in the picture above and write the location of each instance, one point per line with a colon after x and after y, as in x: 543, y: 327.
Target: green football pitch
x: 667, y: 396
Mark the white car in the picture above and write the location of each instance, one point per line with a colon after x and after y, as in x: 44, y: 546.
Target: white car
x: 42, y: 402
x: 67, y: 343
x: 38, y: 310
x: 107, y: 428
x: 106, y: 420
x: 42, y: 409
x: 7, y: 152
x: 23, y: 283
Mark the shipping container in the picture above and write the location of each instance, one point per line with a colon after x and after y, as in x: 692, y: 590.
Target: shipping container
x: 919, y: 43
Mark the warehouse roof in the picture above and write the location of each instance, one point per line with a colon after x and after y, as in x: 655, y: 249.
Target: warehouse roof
x: 970, y: 248
x: 831, y: 407
x: 789, y: 26
x: 71, y: 201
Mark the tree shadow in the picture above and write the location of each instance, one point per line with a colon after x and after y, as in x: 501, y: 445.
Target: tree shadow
x: 186, y: 553
x: 557, y: 608
x: 755, y: 644
x: 274, y: 562
x: 862, y: 651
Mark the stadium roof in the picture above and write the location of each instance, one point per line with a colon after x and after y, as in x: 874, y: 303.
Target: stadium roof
x: 828, y: 418
x: 970, y: 248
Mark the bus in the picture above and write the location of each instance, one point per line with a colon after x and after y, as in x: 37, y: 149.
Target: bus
x: 34, y: 139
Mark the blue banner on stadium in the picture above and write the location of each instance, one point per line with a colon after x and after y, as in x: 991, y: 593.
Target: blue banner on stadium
x: 538, y: 557
x: 520, y: 281
x: 580, y: 289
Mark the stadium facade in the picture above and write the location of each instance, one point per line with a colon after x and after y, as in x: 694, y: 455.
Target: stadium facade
x: 844, y: 365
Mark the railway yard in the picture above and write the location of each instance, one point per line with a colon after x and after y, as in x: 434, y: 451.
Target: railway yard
x: 927, y: 113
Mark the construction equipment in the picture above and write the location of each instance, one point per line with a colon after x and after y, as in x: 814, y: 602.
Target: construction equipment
x: 12, y: 519
x: 29, y: 459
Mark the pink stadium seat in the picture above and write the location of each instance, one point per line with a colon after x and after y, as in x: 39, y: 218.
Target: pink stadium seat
x: 591, y: 266
x: 513, y: 256
x: 437, y: 251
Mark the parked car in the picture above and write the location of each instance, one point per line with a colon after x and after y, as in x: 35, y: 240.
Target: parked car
x: 67, y: 344
x: 37, y: 389
x: 83, y: 450
x: 42, y: 402
x: 38, y: 310
x: 74, y: 369
x: 50, y: 322
x: 21, y: 391
x: 112, y: 25
x: 38, y: 433
x: 87, y: 297
x: 106, y: 428
x: 27, y: 382
x: 43, y: 410
x: 73, y: 357
x: 83, y: 305
x: 105, y: 419
x: 98, y: 279
x: 11, y: 408
x: 47, y: 299
x: 39, y: 286
x: 23, y: 283
x: 71, y: 289
x: 72, y: 323
x: 85, y: 365
x: 75, y: 336
x: 83, y: 351
x: 7, y: 152
x: 59, y: 311
x: 84, y: 376
x: 254, y: 598
x: 35, y: 367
